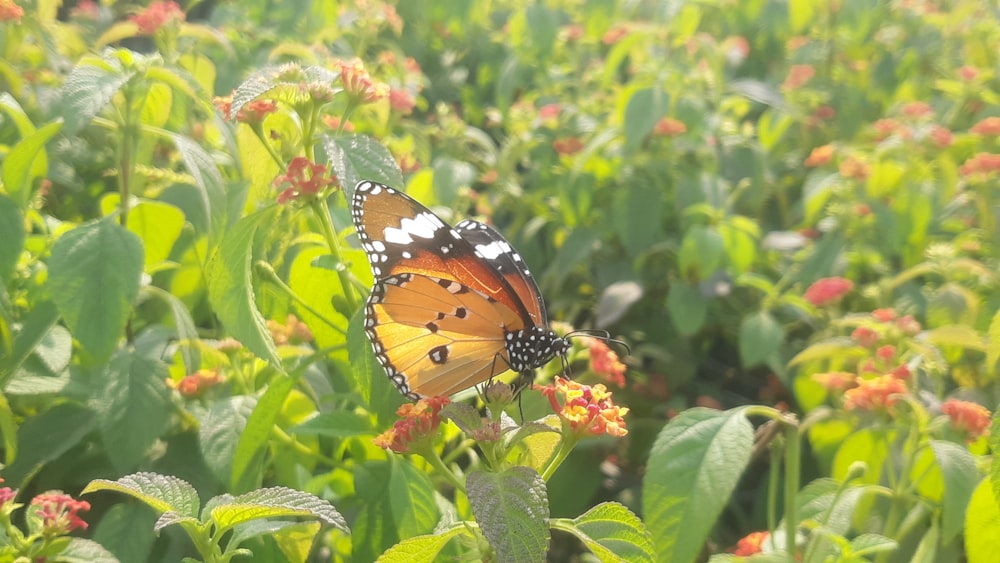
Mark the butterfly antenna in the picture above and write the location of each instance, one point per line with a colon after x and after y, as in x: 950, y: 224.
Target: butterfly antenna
x: 600, y: 335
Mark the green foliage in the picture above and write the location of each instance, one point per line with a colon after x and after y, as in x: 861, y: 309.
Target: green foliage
x: 791, y: 204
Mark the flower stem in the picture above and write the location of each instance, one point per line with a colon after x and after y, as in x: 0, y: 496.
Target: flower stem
x: 322, y: 212
x: 566, y: 445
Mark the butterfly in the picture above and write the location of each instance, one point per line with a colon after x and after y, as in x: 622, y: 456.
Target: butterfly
x: 450, y: 307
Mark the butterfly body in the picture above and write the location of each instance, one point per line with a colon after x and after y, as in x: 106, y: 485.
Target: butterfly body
x: 450, y: 308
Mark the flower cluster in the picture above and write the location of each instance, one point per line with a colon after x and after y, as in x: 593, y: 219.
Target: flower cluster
x: 969, y: 418
x: 358, y: 84
x: 304, y: 180
x: 586, y: 409
x: 251, y: 113
x: 879, y: 394
x: 669, y: 127
x: 293, y: 331
x: 10, y: 11
x: 981, y: 164
x: 195, y: 384
x: 827, y: 291
x: 605, y: 363
x: 798, y: 76
x: 416, y: 428
x: 820, y: 156
x: 750, y: 544
x: 156, y: 15
x: 568, y: 146
x: 59, y: 513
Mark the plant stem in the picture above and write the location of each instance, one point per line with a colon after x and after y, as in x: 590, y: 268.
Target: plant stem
x: 431, y: 456
x: 322, y: 212
x: 272, y: 276
x: 792, y: 476
x: 566, y: 445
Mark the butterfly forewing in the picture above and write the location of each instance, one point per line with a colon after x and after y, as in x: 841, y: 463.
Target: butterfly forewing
x: 492, y: 247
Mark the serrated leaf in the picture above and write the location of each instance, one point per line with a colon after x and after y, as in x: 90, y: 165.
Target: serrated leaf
x: 693, y: 468
x: 512, y: 508
x: 960, y: 479
x: 249, y: 456
x: 464, y: 415
x: 268, y: 81
x: 276, y: 502
x: 126, y: 530
x: 866, y: 544
x: 171, y: 518
x: 162, y: 492
x: 761, y: 337
x: 44, y: 438
x: 354, y: 158
x: 219, y: 433
x: 412, y: 501
x: 612, y: 532
x: 94, y: 276
x: 38, y: 322
x: 89, y: 88
x: 184, y: 325
x: 419, y: 549
x: 133, y: 404
x: 208, y: 180
x: 80, y: 550
x: 26, y: 162
x: 231, y: 291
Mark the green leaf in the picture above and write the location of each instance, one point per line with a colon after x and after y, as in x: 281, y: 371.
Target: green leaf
x: 11, y: 237
x: 862, y: 445
x: 94, y: 276
x: 421, y: 548
x: 34, y: 327
x: 161, y: 492
x: 687, y: 308
x: 249, y: 456
x: 126, y: 530
x: 576, y: 249
x: 994, y: 440
x: 612, y: 532
x: 961, y: 336
x: 157, y: 224
x: 89, y: 87
x: 219, y: 433
x: 45, y: 437
x: 615, y: 301
x: 26, y: 162
x: 411, y: 498
x: 359, y: 157
x: 701, y: 253
x: 693, y: 468
x: 801, y: 14
x: 133, y: 404
x: 276, y: 502
x: 960, y: 479
x: 982, y: 525
x: 336, y: 424
x: 231, y: 291
x: 645, y: 107
x: 761, y: 337
x: 511, y: 508
x: 183, y: 323
x: 867, y: 544
x: 636, y: 215
x: 208, y: 180
x: 8, y: 428
x: 315, y: 287
x: 80, y: 550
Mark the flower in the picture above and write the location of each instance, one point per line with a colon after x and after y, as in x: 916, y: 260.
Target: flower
x: 884, y: 128
x: 981, y: 163
x: 825, y: 113
x: 224, y: 104
x: 940, y: 136
x: 156, y: 15
x: 334, y: 121
x: 750, y: 544
x: 416, y: 428
x: 408, y: 163
x: 549, y: 112
x: 669, y: 127
x: 970, y: 418
x: 401, y: 100
x: 572, y: 32
x: 854, y: 168
x: 795, y: 43
x: 878, y: 394
x: 614, y: 35
x: 567, y: 146
x: 358, y: 84
x: 886, y: 352
x: 908, y: 325
x: 293, y: 331
x: 303, y: 180
x: 835, y: 380
x: 7, y: 494
x: 9, y: 11
x: 586, y: 409
x: 255, y: 111
x: 798, y: 76
x: 884, y: 315
x: 604, y: 362
x: 229, y: 345
x: 917, y: 110
x: 865, y: 336
x: 820, y: 156
x: 736, y: 47
x: 968, y: 73
x: 828, y: 290
x: 989, y: 127
x: 59, y: 512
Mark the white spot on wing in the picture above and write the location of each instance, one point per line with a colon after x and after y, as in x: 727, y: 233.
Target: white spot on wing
x: 423, y: 225
x: 494, y: 249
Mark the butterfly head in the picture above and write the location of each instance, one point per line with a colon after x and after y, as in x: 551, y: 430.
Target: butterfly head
x: 533, y: 347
